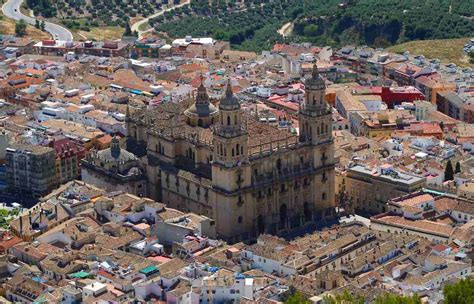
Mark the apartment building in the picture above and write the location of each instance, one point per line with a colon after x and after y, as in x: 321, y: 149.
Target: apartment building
x: 31, y: 169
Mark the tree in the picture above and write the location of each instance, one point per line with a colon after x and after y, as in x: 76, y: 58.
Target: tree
x: 20, y: 28
x: 458, y: 168
x: 448, y: 171
x: 387, y: 298
x: 390, y: 298
x: 37, y: 23
x: 128, y: 30
x: 43, y: 25
x: 343, y: 298
x: 460, y: 293
x: 297, y: 298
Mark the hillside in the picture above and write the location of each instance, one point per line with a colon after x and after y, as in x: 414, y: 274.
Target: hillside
x: 253, y: 25
x: 97, y: 12
x: 7, y: 27
x: 446, y: 50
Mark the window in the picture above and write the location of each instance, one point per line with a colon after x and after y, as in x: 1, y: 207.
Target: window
x: 237, y: 149
x: 278, y: 164
x: 323, y: 196
x: 239, y: 220
x: 282, y: 188
x: 228, y: 120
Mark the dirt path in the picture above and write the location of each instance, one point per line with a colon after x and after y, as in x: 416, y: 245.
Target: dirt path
x: 286, y: 29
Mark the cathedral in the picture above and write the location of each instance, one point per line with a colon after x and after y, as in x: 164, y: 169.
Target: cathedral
x: 249, y: 177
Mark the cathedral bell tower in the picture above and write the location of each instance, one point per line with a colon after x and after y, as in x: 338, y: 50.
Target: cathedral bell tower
x: 230, y: 167
x: 315, y: 117
x: 315, y: 131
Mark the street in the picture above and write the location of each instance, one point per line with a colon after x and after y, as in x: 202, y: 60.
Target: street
x: 136, y: 25
x: 11, y: 9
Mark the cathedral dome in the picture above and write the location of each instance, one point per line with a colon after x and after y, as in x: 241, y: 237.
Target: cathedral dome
x: 115, y: 153
x: 316, y: 82
x: 201, y: 112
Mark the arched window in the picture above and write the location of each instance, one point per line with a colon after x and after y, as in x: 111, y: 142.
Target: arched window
x: 233, y: 152
x: 235, y: 119
x: 228, y: 120
x: 242, y: 150
x: 237, y: 149
x: 239, y: 219
x: 278, y: 164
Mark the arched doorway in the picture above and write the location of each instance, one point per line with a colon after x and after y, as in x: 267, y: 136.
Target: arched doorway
x: 260, y: 224
x: 307, y: 212
x: 283, y: 216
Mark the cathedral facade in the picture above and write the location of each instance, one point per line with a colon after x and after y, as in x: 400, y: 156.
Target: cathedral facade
x: 249, y: 177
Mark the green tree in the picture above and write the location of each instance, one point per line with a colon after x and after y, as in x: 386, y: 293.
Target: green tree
x: 471, y: 56
x: 128, y: 30
x: 310, y: 30
x: 390, y: 298
x: 387, y: 298
x: 448, y: 171
x: 343, y: 298
x: 460, y: 293
x: 43, y: 25
x: 297, y: 298
x: 37, y: 23
x: 20, y: 28
x: 458, y: 168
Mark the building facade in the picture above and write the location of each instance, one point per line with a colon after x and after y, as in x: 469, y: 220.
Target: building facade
x: 369, y: 189
x: 251, y: 178
x: 31, y: 169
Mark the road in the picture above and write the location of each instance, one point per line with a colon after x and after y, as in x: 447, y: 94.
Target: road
x: 11, y: 9
x: 136, y: 25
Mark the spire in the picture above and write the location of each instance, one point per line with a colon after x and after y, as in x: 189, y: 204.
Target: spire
x: 229, y: 101
x: 115, y: 147
x: 228, y: 91
x: 315, y: 72
x: 202, y: 97
x: 315, y: 82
